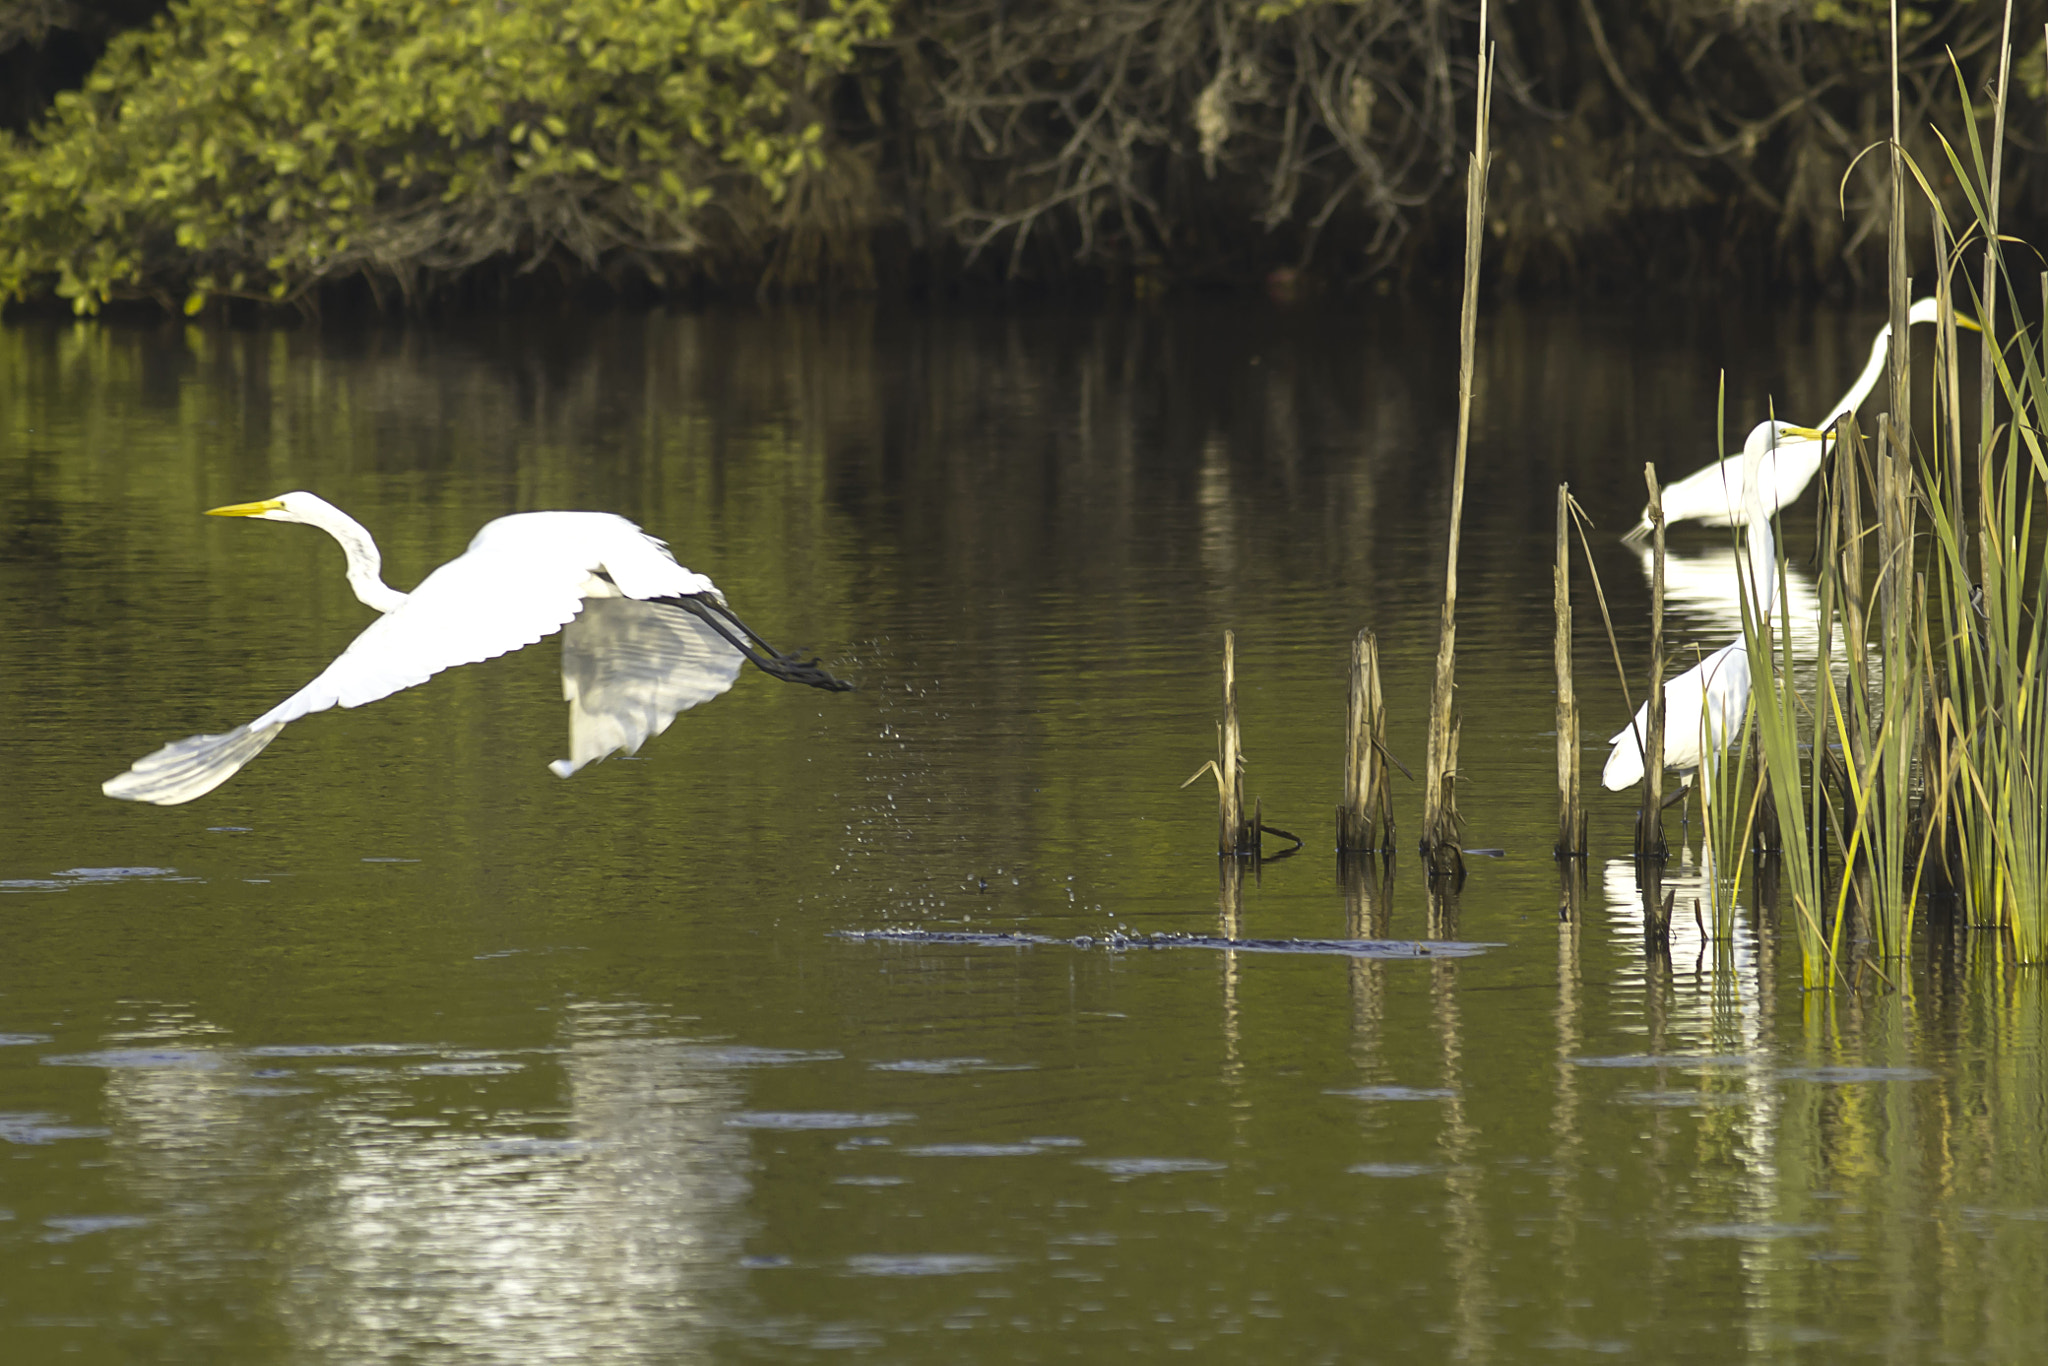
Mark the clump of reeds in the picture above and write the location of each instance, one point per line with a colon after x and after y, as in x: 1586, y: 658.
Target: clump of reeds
x: 1932, y: 756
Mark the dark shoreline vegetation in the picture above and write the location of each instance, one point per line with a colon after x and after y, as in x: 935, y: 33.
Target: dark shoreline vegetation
x: 402, y: 154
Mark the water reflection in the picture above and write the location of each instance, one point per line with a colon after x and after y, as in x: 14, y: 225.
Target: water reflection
x: 610, y: 1222
x: 1704, y: 586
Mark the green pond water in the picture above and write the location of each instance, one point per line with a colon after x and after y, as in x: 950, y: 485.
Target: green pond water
x: 397, y: 1047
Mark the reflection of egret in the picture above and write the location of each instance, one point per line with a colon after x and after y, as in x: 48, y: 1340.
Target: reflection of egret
x: 645, y: 638
x: 1703, y: 705
x: 1714, y: 495
x: 1705, y: 588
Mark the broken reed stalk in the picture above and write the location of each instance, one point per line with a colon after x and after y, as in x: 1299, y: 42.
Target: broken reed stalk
x: 1571, y: 817
x: 1233, y: 835
x: 1236, y: 837
x: 1439, y: 798
x: 1365, y: 822
x: 1650, y: 819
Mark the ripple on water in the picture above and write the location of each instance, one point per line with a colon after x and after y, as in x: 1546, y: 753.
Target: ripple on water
x: 1026, y: 1147
x: 1151, y: 1166
x: 29, y: 1129
x: 739, y: 1055
x: 1669, y: 1060
x: 1393, y: 1092
x: 1682, y: 1100
x: 813, y: 1119
x: 1396, y: 1169
x: 343, y: 1049
x: 949, y: 1067
x: 77, y: 877
x: 186, y: 1059
x: 1850, y: 1076
x: 1750, y: 1232
x: 925, y: 1264
x: 63, y: 1228
x: 19, y: 1040
x: 464, y: 1069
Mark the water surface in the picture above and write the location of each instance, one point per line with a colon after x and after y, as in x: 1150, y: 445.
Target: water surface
x: 903, y: 1025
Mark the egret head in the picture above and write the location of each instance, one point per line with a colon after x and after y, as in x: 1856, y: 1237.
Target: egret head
x: 365, y: 564
x: 297, y: 506
x: 1763, y: 438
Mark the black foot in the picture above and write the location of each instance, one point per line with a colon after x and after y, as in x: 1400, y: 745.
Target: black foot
x: 789, y: 668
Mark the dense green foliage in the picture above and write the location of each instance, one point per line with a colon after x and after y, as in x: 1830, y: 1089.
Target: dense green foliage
x: 239, y: 147
x: 263, y: 147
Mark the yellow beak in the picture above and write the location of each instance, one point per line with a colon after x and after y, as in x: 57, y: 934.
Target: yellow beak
x: 1969, y: 323
x: 1810, y: 433
x: 246, y: 509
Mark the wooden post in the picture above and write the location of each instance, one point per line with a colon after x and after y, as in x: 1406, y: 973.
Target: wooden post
x: 1650, y: 819
x: 1365, y: 822
x: 1571, y: 818
x: 1440, y: 830
x: 1231, y: 836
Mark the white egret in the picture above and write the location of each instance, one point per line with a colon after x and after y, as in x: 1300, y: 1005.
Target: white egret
x: 1705, y: 704
x: 643, y: 638
x: 1714, y: 495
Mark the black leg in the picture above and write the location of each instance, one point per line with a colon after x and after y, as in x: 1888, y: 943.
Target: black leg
x: 769, y: 660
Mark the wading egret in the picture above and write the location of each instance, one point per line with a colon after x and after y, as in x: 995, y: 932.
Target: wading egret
x: 1705, y: 704
x: 1714, y: 495
x: 642, y: 637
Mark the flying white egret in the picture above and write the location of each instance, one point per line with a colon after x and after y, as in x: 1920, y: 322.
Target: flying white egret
x: 642, y: 637
x: 1714, y: 495
x: 1705, y: 704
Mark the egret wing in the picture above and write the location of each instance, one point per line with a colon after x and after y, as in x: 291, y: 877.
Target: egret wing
x: 628, y: 668
x: 475, y: 607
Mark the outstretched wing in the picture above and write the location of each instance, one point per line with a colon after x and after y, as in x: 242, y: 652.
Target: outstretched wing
x: 628, y: 667
x: 475, y: 607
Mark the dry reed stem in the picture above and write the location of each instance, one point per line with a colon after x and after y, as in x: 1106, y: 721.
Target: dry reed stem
x: 1440, y: 809
x: 1571, y: 816
x: 1650, y: 819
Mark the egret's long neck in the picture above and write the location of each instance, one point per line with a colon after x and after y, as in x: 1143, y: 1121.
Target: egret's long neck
x: 365, y: 564
x: 1760, y: 548
x: 1865, y: 382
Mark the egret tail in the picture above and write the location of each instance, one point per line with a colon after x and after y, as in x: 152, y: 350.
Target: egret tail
x: 192, y: 767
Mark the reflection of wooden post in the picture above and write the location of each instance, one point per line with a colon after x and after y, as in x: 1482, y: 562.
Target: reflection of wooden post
x: 1571, y: 892
x: 1571, y: 819
x: 1366, y: 820
x: 1368, y: 896
x: 1650, y: 819
x: 1657, y: 906
x: 1442, y: 921
x: 1230, y: 898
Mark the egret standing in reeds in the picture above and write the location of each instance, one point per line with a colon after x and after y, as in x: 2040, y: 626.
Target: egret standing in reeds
x: 1714, y: 495
x: 643, y: 638
x: 1705, y: 704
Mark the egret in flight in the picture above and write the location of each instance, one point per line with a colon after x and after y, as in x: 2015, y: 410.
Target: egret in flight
x: 642, y: 637
x: 1704, y: 705
x: 1714, y: 495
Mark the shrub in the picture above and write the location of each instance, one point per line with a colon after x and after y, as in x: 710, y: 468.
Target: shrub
x: 264, y: 148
